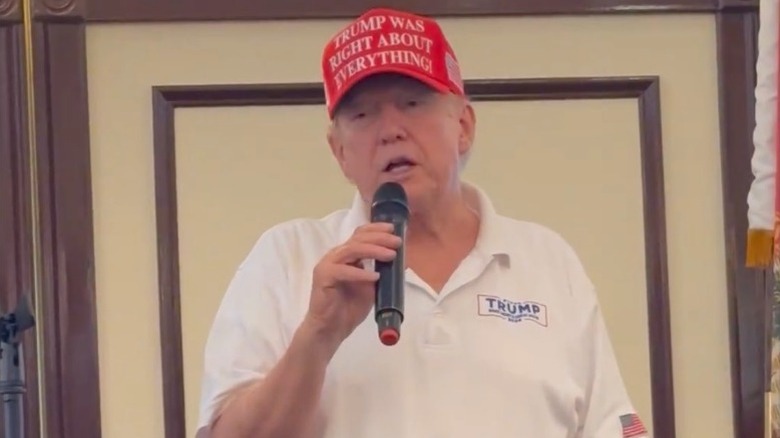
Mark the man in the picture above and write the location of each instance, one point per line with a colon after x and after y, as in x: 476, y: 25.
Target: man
x: 502, y: 335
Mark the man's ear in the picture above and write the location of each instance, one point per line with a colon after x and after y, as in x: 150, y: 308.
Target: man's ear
x: 337, y: 149
x: 468, y: 124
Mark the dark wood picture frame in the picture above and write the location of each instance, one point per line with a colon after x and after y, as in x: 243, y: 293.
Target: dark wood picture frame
x: 645, y: 89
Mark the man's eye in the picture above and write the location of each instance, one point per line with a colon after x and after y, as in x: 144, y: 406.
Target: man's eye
x: 358, y: 115
x: 412, y: 102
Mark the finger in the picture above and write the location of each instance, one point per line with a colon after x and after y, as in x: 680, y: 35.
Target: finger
x: 375, y: 226
x: 388, y: 240
x: 353, y: 274
x: 356, y: 251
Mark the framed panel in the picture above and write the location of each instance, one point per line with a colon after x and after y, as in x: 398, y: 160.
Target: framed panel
x: 644, y: 89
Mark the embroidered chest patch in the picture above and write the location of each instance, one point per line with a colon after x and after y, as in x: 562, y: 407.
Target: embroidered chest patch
x: 512, y: 311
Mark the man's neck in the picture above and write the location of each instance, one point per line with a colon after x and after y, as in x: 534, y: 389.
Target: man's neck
x: 436, y: 225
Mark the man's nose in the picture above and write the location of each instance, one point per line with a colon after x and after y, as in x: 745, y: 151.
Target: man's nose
x: 391, y: 125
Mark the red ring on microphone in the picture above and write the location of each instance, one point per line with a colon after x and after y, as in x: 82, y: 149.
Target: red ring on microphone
x: 389, y: 336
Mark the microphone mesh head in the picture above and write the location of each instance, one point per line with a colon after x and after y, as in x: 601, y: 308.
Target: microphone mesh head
x: 390, y: 197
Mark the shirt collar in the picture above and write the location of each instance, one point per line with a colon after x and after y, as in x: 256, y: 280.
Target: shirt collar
x: 492, y: 239
x: 356, y: 216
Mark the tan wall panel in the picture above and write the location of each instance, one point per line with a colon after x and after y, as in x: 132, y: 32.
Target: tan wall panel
x: 125, y: 60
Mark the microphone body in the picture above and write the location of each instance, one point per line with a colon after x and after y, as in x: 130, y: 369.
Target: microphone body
x: 390, y: 205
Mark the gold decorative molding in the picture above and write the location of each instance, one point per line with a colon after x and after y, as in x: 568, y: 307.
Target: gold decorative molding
x: 34, y: 226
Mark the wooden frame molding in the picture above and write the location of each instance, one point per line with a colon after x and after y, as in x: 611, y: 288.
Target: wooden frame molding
x: 16, y: 246
x: 645, y: 89
x: 206, y: 10
x: 10, y: 12
x: 749, y: 291
x: 68, y: 308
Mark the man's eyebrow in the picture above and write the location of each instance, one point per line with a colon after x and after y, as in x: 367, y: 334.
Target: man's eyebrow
x: 349, y: 105
x: 353, y: 97
x: 420, y: 90
x: 347, y: 102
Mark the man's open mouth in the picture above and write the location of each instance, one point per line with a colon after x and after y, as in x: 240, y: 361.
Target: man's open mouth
x: 399, y: 165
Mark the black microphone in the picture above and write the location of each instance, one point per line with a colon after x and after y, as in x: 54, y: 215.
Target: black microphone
x: 390, y: 205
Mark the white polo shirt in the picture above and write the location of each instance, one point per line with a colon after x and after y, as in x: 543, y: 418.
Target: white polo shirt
x: 513, y: 346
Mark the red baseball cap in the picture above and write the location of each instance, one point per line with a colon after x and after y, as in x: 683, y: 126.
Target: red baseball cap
x: 388, y: 41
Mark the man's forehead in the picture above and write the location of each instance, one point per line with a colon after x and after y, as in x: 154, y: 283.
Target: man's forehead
x: 386, y: 82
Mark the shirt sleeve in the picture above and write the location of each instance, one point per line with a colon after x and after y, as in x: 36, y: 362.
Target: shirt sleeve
x: 607, y: 410
x: 248, y: 334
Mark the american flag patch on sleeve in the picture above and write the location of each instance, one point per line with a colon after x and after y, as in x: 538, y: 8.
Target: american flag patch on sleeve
x: 632, y: 426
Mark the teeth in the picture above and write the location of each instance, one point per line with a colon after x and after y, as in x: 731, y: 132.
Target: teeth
x: 399, y: 168
x: 401, y: 163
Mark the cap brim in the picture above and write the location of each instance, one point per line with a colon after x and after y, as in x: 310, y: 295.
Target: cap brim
x: 427, y: 80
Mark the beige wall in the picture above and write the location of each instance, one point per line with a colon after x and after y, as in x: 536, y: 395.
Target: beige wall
x: 561, y: 163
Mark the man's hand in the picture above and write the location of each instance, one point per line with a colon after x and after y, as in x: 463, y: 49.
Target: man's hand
x: 342, y: 289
